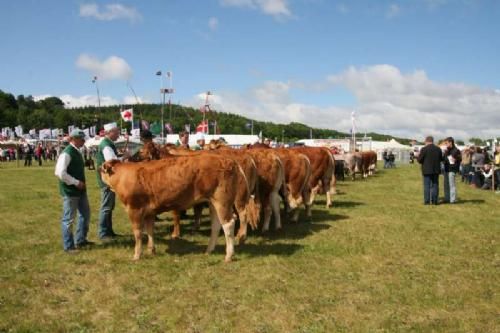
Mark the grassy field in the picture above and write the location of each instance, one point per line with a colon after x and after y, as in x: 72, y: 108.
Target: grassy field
x: 378, y: 261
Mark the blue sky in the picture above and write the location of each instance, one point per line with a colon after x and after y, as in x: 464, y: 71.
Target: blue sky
x: 410, y: 68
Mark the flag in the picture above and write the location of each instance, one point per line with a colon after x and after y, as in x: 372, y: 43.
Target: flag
x: 127, y: 114
x: 187, y: 128
x: 92, y: 131
x: 155, y: 128
x: 260, y: 135
x: 144, y: 124
x: 169, y: 128
x: 32, y: 132
x: 248, y: 125
x: 55, y: 133
x: 202, y: 127
x: 87, y: 133
x: 19, y: 130
x: 158, y: 73
x: 45, y: 133
x: 70, y: 129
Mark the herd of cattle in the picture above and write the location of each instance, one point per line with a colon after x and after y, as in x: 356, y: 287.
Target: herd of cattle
x: 236, y: 183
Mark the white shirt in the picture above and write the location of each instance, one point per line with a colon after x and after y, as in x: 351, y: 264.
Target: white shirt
x: 109, y: 154
x: 62, y: 166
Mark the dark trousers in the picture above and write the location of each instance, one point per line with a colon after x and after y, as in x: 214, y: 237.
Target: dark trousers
x: 431, y: 189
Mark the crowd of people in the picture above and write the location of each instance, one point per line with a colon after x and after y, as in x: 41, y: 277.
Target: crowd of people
x: 474, y: 164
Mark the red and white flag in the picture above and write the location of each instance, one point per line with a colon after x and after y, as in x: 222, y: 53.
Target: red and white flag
x: 202, y: 127
x: 127, y: 115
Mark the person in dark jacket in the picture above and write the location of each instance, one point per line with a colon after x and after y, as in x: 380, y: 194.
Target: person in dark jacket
x: 452, y: 159
x: 70, y: 170
x: 430, y: 157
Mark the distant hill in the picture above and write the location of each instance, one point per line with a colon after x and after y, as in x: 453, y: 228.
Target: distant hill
x: 51, y: 113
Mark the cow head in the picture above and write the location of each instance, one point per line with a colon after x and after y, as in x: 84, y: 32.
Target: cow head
x: 107, y: 170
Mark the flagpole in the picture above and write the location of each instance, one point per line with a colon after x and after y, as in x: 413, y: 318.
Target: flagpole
x: 252, y: 127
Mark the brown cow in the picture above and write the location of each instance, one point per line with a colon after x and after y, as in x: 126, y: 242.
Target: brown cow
x: 368, y: 162
x: 246, y: 207
x: 297, y: 173
x: 271, y: 180
x: 322, y: 178
x: 177, y: 183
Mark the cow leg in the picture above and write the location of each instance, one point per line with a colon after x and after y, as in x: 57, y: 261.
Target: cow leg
x: 229, y: 235
x: 177, y: 224
x: 275, y: 205
x: 137, y: 229
x: 314, y: 191
x: 242, y: 231
x: 149, y: 232
x: 197, y: 209
x: 215, y: 229
x: 266, y: 206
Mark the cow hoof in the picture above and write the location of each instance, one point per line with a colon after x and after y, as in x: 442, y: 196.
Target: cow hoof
x: 228, y: 259
x: 136, y: 258
x: 175, y: 236
x: 241, y: 240
x: 152, y: 251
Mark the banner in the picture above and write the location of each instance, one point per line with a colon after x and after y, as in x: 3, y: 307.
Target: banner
x: 136, y: 132
x: 128, y: 114
x: 87, y: 133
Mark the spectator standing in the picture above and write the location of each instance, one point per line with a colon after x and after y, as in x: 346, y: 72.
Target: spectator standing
x: 71, y: 173
x: 28, y: 155
x: 452, y: 159
x: 430, y: 157
x: 477, y: 165
x: 466, y: 165
x: 39, y: 153
x: 183, y: 140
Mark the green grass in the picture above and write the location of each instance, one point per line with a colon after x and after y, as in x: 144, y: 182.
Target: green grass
x: 378, y: 261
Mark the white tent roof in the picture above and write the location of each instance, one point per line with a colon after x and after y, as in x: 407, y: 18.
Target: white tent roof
x: 391, y: 144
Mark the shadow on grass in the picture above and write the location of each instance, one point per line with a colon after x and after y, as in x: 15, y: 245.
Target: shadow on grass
x: 471, y: 201
x: 338, y: 203
x: 181, y: 247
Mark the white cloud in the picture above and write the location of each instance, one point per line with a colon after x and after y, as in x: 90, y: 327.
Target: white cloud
x: 393, y: 11
x: 414, y: 105
x: 213, y: 23
x: 110, y: 69
x: 409, y: 105
x: 110, y: 12
x: 276, y: 8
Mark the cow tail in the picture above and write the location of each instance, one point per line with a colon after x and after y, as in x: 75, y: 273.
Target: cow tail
x: 282, y: 177
x: 308, y: 172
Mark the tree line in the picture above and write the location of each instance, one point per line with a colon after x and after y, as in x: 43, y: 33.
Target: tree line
x: 52, y: 113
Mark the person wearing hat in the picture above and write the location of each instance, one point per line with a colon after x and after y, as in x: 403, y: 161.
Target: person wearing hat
x: 200, y: 141
x: 452, y: 158
x: 70, y: 170
x: 106, y: 152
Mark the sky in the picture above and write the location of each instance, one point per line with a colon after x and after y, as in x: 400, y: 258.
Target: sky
x: 407, y: 68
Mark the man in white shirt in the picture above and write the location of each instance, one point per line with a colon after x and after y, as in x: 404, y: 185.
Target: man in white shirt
x: 106, y: 152
x: 70, y: 170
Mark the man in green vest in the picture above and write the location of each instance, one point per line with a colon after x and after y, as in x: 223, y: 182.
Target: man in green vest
x: 70, y: 170
x: 106, y: 152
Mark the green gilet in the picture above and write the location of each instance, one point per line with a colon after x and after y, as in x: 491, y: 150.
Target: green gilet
x: 106, y: 142
x: 76, y: 169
